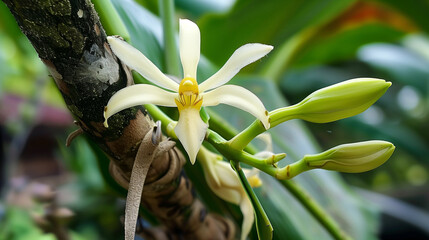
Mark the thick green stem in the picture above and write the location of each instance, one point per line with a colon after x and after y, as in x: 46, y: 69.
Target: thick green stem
x: 241, y: 140
x: 166, y: 8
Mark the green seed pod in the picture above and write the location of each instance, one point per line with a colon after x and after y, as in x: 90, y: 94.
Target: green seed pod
x: 353, y: 157
x: 341, y: 100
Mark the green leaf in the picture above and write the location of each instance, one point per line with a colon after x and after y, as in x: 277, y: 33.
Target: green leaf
x: 197, y: 8
x: 268, y: 22
x: 343, y: 44
x: 145, y: 29
x: 397, y: 63
x: 417, y: 11
x: 263, y: 225
x: 288, y: 216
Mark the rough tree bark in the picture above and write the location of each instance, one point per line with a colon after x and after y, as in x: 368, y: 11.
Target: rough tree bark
x: 71, y: 42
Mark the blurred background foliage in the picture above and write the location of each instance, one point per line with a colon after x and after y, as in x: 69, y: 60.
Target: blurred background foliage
x: 317, y: 43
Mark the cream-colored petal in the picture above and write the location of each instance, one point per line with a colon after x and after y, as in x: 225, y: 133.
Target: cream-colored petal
x: 208, y: 159
x: 189, y: 46
x: 138, y: 94
x: 230, y: 187
x: 134, y: 59
x: 242, y: 57
x: 238, y: 97
x: 229, y: 176
x: 248, y: 216
x: 228, y: 194
x: 191, y: 130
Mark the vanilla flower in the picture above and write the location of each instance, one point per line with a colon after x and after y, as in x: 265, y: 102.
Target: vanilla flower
x: 188, y: 96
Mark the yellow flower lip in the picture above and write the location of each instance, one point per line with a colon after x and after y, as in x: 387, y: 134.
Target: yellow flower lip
x: 188, y: 94
x: 188, y: 85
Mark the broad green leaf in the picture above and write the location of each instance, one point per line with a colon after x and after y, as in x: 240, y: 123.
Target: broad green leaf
x: 197, y: 8
x: 344, y: 44
x: 398, y: 209
x: 269, y: 22
x: 145, y: 29
x: 397, y: 63
x: 416, y: 11
x: 289, y: 218
x: 263, y: 225
x: 8, y: 24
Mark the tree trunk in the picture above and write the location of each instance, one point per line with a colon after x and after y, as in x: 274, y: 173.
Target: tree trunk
x: 71, y: 42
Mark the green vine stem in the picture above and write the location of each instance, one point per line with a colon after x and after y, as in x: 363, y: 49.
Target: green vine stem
x: 172, y: 63
x: 112, y: 22
x: 241, y: 140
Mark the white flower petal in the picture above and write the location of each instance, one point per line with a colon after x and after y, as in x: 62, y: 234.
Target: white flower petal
x: 138, y: 95
x: 238, y: 97
x: 227, y: 194
x: 134, y: 59
x: 229, y: 177
x: 189, y: 46
x: 242, y: 57
x: 248, y: 216
x: 230, y: 186
x: 208, y: 159
x: 191, y: 130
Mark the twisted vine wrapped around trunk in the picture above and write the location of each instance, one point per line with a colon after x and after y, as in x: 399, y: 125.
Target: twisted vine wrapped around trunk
x: 71, y: 42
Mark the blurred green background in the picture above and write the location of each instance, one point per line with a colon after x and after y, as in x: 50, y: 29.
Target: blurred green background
x: 317, y: 43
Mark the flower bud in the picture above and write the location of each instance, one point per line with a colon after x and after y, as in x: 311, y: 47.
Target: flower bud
x: 353, y: 157
x: 341, y: 100
x: 225, y: 183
